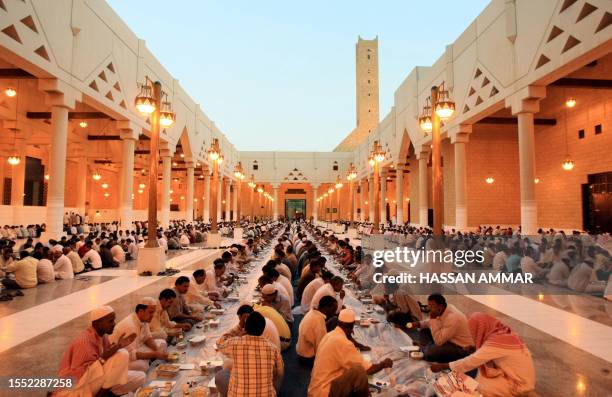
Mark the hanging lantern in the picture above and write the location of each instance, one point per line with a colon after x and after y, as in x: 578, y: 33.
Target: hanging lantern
x: 14, y: 160
x: 10, y: 92
x: 167, y: 117
x: 444, y: 107
x: 570, y: 102
x: 490, y: 180
x: 425, y: 119
x: 144, y: 102
x: 568, y: 164
x: 96, y: 176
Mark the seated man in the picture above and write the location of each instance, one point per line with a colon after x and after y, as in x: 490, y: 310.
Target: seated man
x: 25, y: 272
x: 448, y: 337
x: 271, y: 297
x: 312, y: 329
x: 62, y: 265
x: 99, y: 368
x: 161, y: 326
x: 179, y: 311
x: 144, y: 347
x: 339, y: 369
x: 333, y: 288
x: 257, y: 366
x: 197, y: 295
x: 213, y: 282
x: 75, y: 259
x: 312, y: 288
x: 270, y: 332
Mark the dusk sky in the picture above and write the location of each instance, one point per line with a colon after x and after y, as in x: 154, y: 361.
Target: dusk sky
x: 280, y: 75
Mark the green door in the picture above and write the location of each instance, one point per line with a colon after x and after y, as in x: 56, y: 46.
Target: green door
x: 295, y: 208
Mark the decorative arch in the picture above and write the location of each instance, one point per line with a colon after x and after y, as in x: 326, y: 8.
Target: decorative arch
x: 186, y: 144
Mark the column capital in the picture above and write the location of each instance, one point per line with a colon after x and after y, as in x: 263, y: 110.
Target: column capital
x: 423, y: 153
x: 165, y: 153
x: 315, y: 185
x: 128, y: 129
x: 526, y: 100
x: 189, y: 165
x: 59, y: 93
x: 460, y: 133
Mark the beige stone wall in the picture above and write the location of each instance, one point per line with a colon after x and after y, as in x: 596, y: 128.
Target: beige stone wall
x: 559, y: 192
x: 493, y: 151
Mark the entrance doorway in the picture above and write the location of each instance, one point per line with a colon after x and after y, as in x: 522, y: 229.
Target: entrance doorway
x: 295, y: 208
x: 597, y: 203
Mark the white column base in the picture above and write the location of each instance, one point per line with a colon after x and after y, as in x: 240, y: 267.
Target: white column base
x: 529, y: 218
x: 165, y: 219
x: 460, y: 218
x: 214, y: 240
x: 238, y: 233
x: 151, y: 260
x: 423, y: 215
x: 352, y: 232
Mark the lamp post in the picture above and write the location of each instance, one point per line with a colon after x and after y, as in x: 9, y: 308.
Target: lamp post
x: 149, y: 103
x: 239, y: 174
x: 252, y: 188
x: 377, y: 156
x: 350, y: 176
x: 338, y: 187
x: 216, y: 158
x: 260, y: 190
x: 430, y: 121
x: 330, y: 204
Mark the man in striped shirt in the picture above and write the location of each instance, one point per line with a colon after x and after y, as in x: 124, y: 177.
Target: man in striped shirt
x: 257, y: 369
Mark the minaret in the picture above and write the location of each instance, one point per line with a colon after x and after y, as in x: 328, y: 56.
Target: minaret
x: 366, y: 84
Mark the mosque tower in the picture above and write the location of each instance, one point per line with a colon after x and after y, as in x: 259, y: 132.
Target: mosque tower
x: 366, y: 83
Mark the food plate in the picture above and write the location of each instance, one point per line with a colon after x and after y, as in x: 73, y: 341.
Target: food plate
x: 145, y: 391
x: 161, y: 384
x: 194, y: 340
x: 416, y: 355
x: 187, y: 367
x: 173, y: 357
x: 366, y: 300
x: 181, y: 345
x: 217, y: 311
x: 210, y: 364
x: 167, y: 370
x: 408, y: 349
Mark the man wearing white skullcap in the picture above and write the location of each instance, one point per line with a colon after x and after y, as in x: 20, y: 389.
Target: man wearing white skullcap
x: 144, y: 348
x: 96, y: 365
x: 271, y: 297
x: 339, y: 369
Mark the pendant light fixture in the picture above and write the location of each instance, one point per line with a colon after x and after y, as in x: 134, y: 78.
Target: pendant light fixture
x: 568, y: 163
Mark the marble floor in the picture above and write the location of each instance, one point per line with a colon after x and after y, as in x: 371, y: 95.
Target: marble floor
x: 572, y: 353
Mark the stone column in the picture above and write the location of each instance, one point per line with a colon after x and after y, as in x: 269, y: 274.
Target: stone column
x: 361, y: 201
x: 219, y: 197
x: 228, y: 200
x: 166, y: 156
x: 275, y: 202
x: 459, y: 140
x: 315, y: 204
x: 129, y: 136
x: 423, y: 156
x: 61, y: 98
x: 84, y: 178
x: 399, y: 194
x: 524, y: 105
x: 383, y: 196
x: 18, y: 174
x: 190, y: 189
x: 371, y: 198
x: 207, y: 200
x: 235, y: 188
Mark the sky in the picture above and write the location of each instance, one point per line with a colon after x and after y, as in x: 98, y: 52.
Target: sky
x: 280, y: 74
